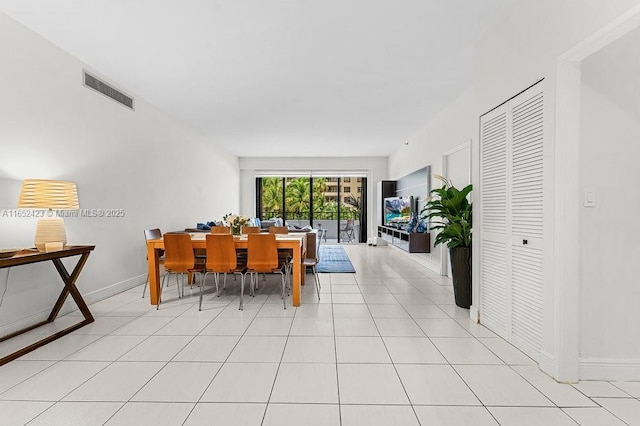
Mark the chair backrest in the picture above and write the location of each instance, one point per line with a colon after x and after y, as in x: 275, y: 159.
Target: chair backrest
x: 221, y: 230
x: 309, y: 244
x: 349, y: 225
x: 278, y: 230
x: 152, y: 234
x: 178, y: 252
x: 318, y: 247
x: 250, y: 229
x: 221, y: 253
x: 262, y: 252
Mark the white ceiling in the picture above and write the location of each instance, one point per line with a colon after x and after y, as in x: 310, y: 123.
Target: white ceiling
x: 278, y: 77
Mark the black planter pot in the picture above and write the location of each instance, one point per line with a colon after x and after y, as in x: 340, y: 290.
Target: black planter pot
x: 461, y: 271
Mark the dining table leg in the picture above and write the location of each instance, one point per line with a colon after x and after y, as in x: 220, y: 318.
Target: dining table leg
x: 153, y: 257
x: 297, y: 277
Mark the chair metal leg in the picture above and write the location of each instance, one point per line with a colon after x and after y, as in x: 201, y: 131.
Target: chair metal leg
x: 160, y: 292
x: 145, y: 285
x: 242, y: 278
x: 255, y: 284
x: 204, y: 279
x: 317, y: 280
x: 284, y: 285
x: 178, y: 285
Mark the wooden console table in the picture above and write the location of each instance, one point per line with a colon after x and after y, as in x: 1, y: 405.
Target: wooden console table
x: 26, y: 257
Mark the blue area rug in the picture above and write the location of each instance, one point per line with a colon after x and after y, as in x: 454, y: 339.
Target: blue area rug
x: 334, y: 259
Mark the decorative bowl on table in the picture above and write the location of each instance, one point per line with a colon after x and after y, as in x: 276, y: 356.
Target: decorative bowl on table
x: 6, y: 253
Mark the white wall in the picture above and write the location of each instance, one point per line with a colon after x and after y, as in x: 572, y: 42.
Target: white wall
x: 610, y: 294
x: 161, y: 173
x: 452, y: 127
x: 375, y: 169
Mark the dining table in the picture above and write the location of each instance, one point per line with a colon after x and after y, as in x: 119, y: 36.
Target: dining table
x: 293, y: 242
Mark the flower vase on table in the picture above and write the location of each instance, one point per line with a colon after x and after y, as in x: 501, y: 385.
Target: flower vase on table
x: 236, y: 222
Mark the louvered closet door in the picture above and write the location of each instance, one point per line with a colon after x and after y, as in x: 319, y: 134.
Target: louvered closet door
x: 494, y: 292
x: 527, y: 216
x: 512, y: 220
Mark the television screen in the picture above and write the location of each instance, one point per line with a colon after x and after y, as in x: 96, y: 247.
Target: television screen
x: 397, y: 211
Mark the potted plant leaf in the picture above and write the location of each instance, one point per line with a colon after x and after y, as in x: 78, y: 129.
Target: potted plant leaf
x: 449, y: 212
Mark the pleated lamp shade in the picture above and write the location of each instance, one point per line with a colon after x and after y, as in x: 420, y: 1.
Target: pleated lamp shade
x: 50, y: 195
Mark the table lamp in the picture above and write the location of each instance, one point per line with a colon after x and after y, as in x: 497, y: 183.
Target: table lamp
x: 49, y: 194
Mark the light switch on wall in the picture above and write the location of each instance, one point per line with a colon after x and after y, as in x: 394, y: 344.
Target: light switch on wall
x: 589, y: 197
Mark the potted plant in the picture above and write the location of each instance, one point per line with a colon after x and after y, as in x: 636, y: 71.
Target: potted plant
x: 449, y: 212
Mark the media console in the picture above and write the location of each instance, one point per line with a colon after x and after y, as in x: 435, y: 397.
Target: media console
x: 413, y: 242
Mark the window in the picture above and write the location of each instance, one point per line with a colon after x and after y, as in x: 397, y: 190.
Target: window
x: 306, y: 201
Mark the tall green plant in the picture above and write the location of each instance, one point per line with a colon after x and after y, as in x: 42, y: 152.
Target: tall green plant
x: 449, y: 212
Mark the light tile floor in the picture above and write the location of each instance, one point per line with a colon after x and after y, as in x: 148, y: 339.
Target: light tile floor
x: 383, y: 346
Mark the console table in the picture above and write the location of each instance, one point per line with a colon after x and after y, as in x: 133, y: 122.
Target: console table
x: 26, y: 257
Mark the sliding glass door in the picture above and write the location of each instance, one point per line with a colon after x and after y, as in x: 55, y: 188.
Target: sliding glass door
x: 270, y: 202
x: 336, y: 205
x: 297, y: 201
x: 350, y: 209
x: 325, y: 206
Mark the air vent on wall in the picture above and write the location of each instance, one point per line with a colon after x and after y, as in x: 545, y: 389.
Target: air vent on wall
x: 102, y: 87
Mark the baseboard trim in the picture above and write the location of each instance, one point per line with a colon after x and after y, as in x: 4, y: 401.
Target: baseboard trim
x: 474, y: 314
x: 548, y: 364
x: 609, y: 369
x: 70, y: 305
x: 113, y: 289
x: 22, y: 323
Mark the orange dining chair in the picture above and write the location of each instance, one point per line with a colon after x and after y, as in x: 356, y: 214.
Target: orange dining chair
x: 152, y: 234
x: 285, y: 257
x: 278, y: 230
x: 222, y: 259
x: 262, y: 257
x: 220, y: 230
x: 179, y: 258
x: 250, y: 229
x: 311, y: 260
x: 242, y: 253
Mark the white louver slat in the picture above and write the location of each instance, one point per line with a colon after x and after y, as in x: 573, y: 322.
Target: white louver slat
x: 494, y: 287
x: 526, y: 304
x: 494, y: 176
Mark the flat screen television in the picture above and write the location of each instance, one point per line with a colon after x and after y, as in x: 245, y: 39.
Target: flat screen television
x: 397, y: 211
